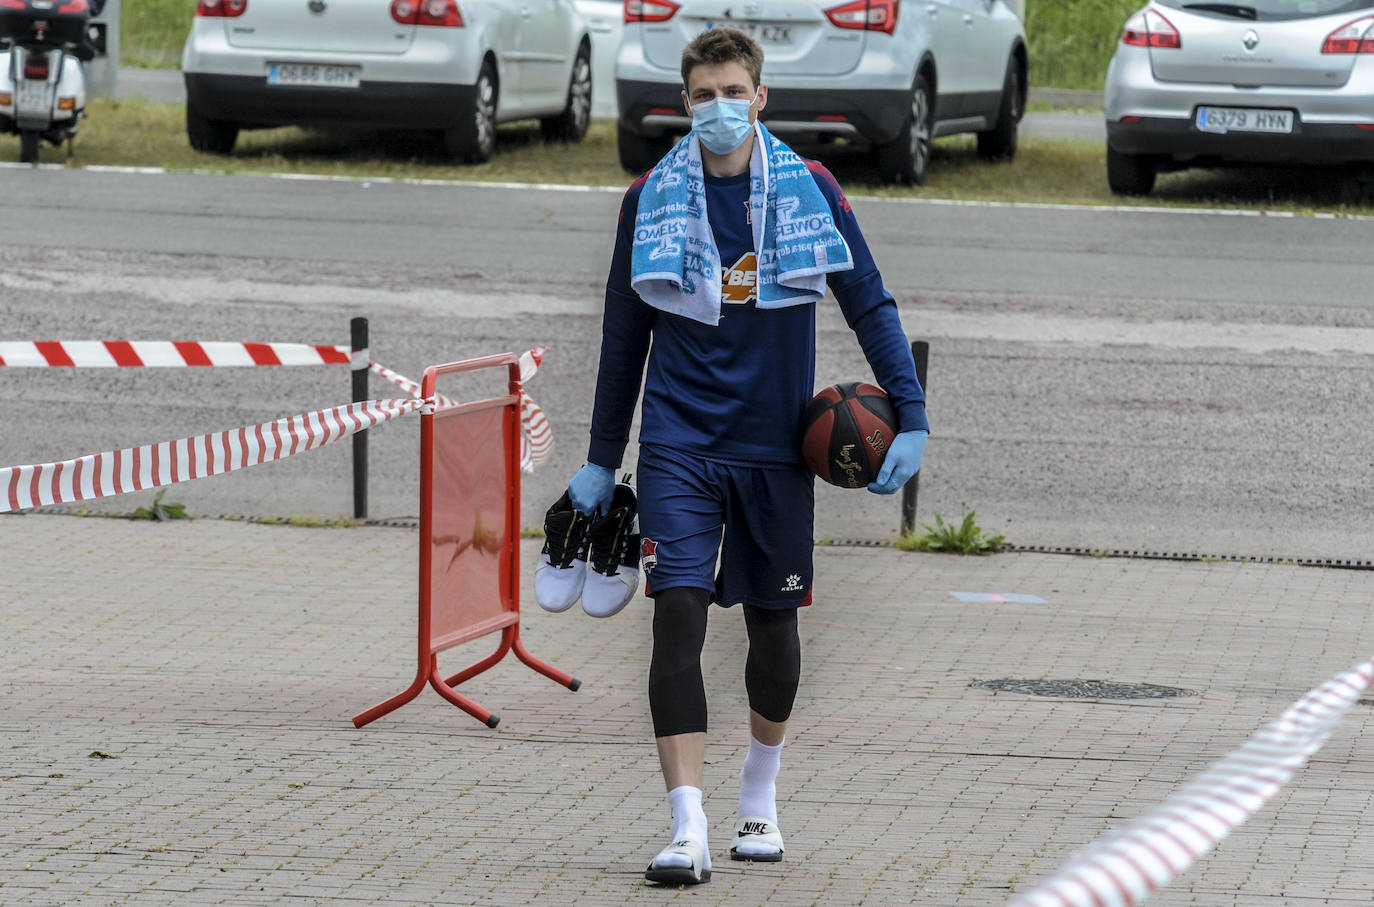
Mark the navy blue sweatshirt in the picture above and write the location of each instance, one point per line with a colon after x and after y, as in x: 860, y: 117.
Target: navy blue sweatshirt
x: 735, y: 391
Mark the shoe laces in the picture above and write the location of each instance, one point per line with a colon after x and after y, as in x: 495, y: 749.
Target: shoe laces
x: 611, y: 541
x: 566, y: 537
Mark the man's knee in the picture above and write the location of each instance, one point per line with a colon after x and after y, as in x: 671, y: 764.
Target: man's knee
x: 772, y: 671
x: 677, y: 693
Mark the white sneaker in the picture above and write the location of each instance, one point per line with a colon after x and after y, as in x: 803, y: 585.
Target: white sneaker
x: 562, y: 570
x: 614, y: 555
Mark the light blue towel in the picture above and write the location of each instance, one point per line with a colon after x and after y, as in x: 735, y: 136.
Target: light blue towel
x: 675, y: 266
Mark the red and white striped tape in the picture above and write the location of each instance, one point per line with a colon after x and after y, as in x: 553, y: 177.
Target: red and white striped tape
x: 536, y: 443
x: 154, y: 465
x: 1129, y: 864
x: 164, y: 353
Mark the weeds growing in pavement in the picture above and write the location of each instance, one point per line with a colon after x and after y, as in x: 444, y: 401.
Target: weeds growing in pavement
x: 160, y: 511
x: 966, y: 538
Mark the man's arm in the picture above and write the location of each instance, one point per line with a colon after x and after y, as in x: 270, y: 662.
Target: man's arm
x: 871, y: 313
x: 625, y: 331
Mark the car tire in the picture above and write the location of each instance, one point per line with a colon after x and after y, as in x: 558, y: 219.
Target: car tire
x: 473, y: 138
x: 28, y: 146
x: 905, y: 158
x: 639, y: 153
x: 571, y: 125
x: 1129, y: 174
x: 999, y: 142
x: 210, y: 136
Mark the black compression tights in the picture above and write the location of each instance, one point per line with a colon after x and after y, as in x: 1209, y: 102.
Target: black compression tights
x: 677, y: 694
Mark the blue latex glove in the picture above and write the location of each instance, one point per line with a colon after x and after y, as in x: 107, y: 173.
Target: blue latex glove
x: 591, y: 489
x: 901, y: 463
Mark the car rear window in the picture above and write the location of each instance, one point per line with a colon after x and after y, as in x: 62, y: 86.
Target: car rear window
x: 1271, y: 10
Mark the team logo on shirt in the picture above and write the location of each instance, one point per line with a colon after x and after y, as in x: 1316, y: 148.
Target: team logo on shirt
x: 739, y: 282
x: 648, y: 554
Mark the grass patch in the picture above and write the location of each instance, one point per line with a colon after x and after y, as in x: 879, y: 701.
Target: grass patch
x: 1071, y: 41
x: 152, y: 32
x: 160, y: 511
x: 966, y: 538
x: 140, y: 133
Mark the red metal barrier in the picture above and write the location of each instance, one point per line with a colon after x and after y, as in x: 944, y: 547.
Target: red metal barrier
x: 469, y: 537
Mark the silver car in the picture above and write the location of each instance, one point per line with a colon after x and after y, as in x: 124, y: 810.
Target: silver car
x: 1199, y: 84
x: 455, y: 67
x: 891, y: 74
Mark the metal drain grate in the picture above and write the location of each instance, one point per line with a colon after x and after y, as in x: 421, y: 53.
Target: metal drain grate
x: 1082, y: 689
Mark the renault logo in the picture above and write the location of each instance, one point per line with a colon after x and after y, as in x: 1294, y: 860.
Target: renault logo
x: 317, y: 6
x: 1251, y: 39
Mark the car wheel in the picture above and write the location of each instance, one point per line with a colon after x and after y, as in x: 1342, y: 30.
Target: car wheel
x: 1129, y: 174
x: 905, y: 159
x: 473, y: 138
x: 639, y: 153
x: 28, y: 147
x: 571, y: 124
x: 210, y: 136
x: 999, y: 142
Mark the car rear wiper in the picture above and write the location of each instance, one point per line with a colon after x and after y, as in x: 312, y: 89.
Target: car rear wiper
x: 1229, y: 9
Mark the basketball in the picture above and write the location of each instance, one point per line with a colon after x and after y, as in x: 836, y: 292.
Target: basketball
x: 846, y: 431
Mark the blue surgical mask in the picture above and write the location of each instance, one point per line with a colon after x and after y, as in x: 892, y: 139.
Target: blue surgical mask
x: 723, y: 124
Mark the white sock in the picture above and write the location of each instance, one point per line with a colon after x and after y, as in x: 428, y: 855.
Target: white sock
x: 689, y: 824
x: 758, y: 781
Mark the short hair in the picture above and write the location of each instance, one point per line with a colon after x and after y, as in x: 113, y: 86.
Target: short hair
x: 723, y: 45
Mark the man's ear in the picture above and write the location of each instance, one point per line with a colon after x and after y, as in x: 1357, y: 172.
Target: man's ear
x: 686, y: 105
x: 763, y: 97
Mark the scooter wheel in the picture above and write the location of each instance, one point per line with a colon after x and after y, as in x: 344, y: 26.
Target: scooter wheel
x: 28, y: 147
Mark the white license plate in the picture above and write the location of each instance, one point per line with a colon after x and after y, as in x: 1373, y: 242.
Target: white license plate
x: 32, y: 96
x: 1243, y: 119
x: 315, y: 75
x: 768, y: 32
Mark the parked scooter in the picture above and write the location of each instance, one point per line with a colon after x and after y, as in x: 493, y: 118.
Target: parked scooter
x: 42, y: 86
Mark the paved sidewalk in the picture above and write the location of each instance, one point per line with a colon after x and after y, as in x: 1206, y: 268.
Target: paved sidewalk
x: 218, y: 664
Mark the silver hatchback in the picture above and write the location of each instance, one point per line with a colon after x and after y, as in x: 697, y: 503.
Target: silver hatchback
x: 1200, y: 84
x: 893, y: 75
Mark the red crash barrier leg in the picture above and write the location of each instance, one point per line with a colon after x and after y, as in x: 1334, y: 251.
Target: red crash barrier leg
x: 400, y: 699
x: 464, y: 703
x: 543, y: 667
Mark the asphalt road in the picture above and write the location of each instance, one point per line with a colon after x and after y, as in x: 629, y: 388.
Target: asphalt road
x: 1162, y: 381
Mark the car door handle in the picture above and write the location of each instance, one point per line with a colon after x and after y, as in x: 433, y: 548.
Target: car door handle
x: 968, y: 19
x: 932, y: 11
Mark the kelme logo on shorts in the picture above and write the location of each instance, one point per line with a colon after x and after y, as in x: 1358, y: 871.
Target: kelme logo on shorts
x: 793, y: 584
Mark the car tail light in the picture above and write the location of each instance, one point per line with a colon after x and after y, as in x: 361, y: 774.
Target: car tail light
x: 1150, y: 29
x: 443, y: 13
x: 226, y: 9
x: 650, y: 10
x: 66, y: 103
x: 869, y: 15
x: 1350, y: 38
x: 13, y: 4
x: 6, y: 99
x: 73, y: 6
x: 36, y: 66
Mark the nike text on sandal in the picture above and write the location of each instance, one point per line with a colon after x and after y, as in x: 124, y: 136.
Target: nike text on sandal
x: 695, y: 874
x: 563, y: 561
x: 757, y: 839
x: 613, y: 541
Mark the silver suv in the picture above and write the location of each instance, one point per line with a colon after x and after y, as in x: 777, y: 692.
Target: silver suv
x: 894, y: 75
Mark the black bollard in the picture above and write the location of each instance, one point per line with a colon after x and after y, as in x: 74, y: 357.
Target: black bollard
x: 358, y: 331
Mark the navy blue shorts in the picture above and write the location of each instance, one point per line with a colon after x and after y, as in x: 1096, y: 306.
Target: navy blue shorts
x: 764, y: 514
